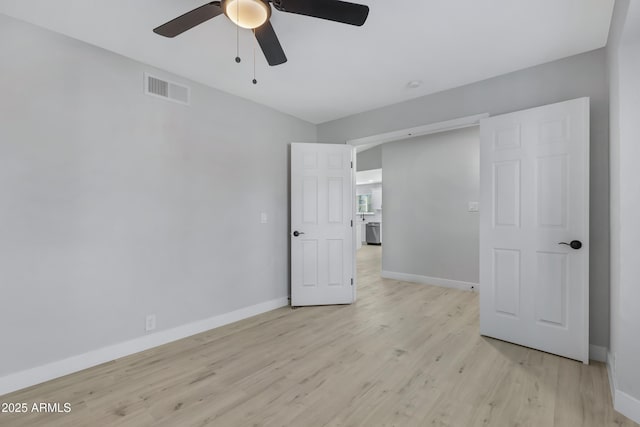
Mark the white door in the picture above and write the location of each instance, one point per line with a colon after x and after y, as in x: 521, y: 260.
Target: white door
x: 534, y: 195
x: 322, y: 235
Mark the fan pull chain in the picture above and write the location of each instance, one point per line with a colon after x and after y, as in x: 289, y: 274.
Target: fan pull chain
x: 238, y: 33
x: 255, y: 82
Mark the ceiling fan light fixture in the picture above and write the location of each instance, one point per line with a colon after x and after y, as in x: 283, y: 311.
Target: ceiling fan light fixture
x: 247, y: 13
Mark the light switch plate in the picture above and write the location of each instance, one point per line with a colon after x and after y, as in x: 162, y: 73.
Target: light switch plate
x: 474, y: 207
x: 263, y: 217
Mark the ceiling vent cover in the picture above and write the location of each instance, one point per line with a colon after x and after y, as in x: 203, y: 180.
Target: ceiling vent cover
x: 165, y: 89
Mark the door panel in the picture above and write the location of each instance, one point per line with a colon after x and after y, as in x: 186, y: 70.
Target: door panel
x: 551, y: 288
x: 309, y: 262
x: 506, y: 137
x: 336, y: 262
x: 506, y: 272
x: 310, y: 200
x: 534, y: 181
x: 335, y: 199
x: 551, y: 191
x: 506, y: 182
x: 321, y: 212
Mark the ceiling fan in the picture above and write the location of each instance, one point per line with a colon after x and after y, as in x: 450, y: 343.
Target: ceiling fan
x: 255, y: 14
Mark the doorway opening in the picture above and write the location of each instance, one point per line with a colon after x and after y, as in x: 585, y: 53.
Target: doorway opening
x: 369, y: 207
x: 368, y: 220
x: 430, y: 224
x: 407, y: 219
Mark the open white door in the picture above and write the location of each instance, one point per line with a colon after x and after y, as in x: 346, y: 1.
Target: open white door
x: 322, y: 238
x: 534, y: 195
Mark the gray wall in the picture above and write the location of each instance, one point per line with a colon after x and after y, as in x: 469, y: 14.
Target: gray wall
x: 569, y: 78
x: 624, y: 69
x: 114, y: 205
x: 428, y: 182
x: 369, y: 159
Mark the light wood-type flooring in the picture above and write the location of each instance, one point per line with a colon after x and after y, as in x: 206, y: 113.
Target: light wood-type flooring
x: 404, y: 355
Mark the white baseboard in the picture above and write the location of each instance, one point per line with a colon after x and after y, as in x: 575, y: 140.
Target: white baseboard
x: 612, y: 377
x: 436, y: 281
x: 598, y: 353
x: 40, y: 374
x: 627, y: 405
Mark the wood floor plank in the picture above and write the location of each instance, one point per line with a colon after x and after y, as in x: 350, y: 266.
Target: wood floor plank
x: 404, y: 355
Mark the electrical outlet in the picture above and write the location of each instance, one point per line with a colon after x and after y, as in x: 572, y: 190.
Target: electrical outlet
x: 263, y: 217
x: 150, y: 323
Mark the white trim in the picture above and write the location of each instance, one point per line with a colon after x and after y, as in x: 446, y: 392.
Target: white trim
x: 436, y: 281
x: 354, y: 223
x: 397, y: 135
x: 39, y: 374
x: 598, y: 353
x: 612, y: 377
x: 627, y: 405
x: 586, y: 235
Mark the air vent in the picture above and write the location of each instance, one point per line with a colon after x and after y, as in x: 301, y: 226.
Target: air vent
x: 161, y: 88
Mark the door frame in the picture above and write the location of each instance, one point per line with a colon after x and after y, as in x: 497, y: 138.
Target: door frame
x: 412, y: 132
x: 360, y: 144
x: 354, y: 235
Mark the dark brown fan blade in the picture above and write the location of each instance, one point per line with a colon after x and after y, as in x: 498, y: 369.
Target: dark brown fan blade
x: 270, y: 45
x: 333, y: 10
x: 189, y: 20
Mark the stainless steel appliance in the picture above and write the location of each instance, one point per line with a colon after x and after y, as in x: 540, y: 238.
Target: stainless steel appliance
x: 373, y: 233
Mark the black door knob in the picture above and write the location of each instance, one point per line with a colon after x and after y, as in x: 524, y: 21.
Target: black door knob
x: 575, y: 244
x: 297, y: 233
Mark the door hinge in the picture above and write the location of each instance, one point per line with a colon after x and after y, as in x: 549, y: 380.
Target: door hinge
x: 351, y: 165
x: 352, y: 223
x: 352, y: 281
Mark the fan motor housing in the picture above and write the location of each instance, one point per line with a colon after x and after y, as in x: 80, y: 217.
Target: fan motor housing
x: 251, y: 9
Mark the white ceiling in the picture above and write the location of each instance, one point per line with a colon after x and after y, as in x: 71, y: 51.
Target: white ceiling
x: 335, y: 70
